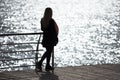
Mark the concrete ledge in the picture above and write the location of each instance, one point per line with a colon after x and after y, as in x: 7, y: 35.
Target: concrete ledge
x: 95, y: 72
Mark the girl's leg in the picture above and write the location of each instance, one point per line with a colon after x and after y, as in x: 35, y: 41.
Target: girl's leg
x: 49, y: 50
x: 46, y: 55
x: 48, y: 67
x: 42, y: 58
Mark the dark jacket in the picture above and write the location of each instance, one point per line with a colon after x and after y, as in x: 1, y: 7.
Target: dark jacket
x: 50, y: 38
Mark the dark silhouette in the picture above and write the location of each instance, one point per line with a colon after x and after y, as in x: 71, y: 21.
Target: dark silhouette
x: 50, y: 39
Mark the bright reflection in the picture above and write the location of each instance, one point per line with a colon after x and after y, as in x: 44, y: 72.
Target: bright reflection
x: 88, y: 28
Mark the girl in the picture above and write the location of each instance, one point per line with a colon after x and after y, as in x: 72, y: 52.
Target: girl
x: 50, y: 39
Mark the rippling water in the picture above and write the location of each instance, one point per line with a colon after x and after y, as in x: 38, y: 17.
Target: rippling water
x: 89, y: 29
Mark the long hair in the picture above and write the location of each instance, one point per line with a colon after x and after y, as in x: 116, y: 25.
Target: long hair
x: 46, y: 17
x: 48, y: 13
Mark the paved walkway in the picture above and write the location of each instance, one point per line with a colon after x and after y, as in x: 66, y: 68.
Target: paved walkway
x: 97, y: 72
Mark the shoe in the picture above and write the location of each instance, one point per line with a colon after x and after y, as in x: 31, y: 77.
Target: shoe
x: 49, y: 68
x: 38, y: 67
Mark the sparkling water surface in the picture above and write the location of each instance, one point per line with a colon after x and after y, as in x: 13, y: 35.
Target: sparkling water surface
x: 89, y: 29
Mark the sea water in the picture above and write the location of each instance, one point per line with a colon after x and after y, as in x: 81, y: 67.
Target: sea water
x: 88, y: 29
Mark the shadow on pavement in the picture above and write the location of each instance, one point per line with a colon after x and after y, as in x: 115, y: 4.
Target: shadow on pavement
x: 48, y: 76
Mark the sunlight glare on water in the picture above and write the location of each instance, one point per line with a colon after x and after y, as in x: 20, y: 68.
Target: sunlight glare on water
x: 84, y: 25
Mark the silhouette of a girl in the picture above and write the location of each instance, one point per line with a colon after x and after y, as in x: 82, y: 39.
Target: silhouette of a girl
x: 50, y: 39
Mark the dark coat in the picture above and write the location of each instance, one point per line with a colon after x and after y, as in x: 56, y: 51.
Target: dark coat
x: 50, y: 38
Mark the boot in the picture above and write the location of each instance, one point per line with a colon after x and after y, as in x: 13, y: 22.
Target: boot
x: 38, y: 67
x: 49, y: 68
